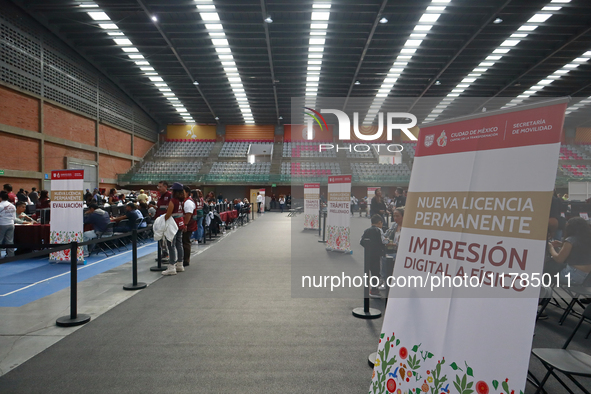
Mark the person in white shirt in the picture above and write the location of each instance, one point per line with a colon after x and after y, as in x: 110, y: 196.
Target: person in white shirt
x: 7, y: 216
x: 282, y: 202
x: 259, y: 201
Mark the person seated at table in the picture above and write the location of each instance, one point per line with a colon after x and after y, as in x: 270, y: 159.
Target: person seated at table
x: 43, y: 201
x: 131, y: 215
x: 21, y: 217
x: 145, y: 213
x: 99, y: 220
x: 11, y: 196
x: 152, y: 209
x: 574, y: 258
x: 122, y: 200
x: 20, y: 196
x: 113, y: 197
x: 142, y: 197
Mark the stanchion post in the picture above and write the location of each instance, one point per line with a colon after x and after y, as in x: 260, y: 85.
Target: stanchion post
x: 319, y: 219
x: 366, y: 312
x: 74, y: 319
x: 135, y: 285
x: 159, y: 267
x: 323, y: 228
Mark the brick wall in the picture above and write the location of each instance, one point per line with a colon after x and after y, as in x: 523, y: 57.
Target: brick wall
x: 19, y: 153
x: 115, y: 140
x: 60, y: 123
x: 54, y: 156
x: 18, y: 183
x: 110, y: 166
x: 141, y: 146
x: 18, y: 110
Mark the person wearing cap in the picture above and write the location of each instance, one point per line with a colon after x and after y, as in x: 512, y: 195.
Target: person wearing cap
x: 142, y: 197
x: 175, y: 248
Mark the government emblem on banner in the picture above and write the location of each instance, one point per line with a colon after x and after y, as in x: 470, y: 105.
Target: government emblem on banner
x: 429, y: 140
x: 442, y: 140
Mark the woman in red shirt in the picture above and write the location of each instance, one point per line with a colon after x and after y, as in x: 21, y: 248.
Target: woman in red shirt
x: 175, y: 248
x: 43, y: 201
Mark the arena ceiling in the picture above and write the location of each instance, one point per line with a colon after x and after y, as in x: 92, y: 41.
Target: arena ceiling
x: 242, y: 61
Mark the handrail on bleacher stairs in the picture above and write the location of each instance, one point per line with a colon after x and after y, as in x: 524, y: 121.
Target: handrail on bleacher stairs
x: 76, y: 319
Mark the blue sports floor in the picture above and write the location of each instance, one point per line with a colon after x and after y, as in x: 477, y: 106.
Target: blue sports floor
x: 25, y: 281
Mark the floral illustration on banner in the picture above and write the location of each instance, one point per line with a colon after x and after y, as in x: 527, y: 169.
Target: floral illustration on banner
x: 64, y: 237
x: 311, y: 221
x: 338, y: 238
x: 403, y: 369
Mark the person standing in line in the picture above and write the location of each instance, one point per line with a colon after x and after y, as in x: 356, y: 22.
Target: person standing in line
x: 372, y: 241
x: 175, y: 247
x: 259, y: 202
x: 7, y: 215
x: 161, y: 209
x: 34, y: 196
x: 199, y: 206
x: 377, y: 206
x: 282, y: 202
x: 190, y: 219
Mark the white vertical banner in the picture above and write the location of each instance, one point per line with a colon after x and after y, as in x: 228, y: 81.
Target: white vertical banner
x: 338, y: 221
x: 67, y: 208
x: 476, y: 219
x: 311, y: 205
x: 262, y: 192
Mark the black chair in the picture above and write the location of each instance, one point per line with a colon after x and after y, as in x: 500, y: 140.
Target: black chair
x: 576, y: 291
x: 570, y: 362
x: 104, y: 246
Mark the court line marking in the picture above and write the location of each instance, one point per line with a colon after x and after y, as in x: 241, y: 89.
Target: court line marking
x: 68, y: 272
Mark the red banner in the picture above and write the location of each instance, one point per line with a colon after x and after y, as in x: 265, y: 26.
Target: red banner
x: 67, y: 174
x: 521, y: 128
x: 339, y: 179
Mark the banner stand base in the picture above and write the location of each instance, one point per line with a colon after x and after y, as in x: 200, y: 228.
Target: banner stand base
x: 67, y: 321
x: 371, y: 360
x: 371, y: 314
x: 138, y: 286
x: 156, y: 268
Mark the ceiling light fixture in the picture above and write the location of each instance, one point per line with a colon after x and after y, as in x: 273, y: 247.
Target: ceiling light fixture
x: 384, y: 20
x: 357, y: 83
x: 154, y: 18
x: 268, y: 20
x: 505, y: 47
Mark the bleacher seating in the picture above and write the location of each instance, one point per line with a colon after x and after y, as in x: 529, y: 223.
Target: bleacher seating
x: 570, y: 152
x: 371, y: 154
x: 185, y: 149
x: 306, y: 149
x: 221, y: 168
x: 238, y: 148
x: 307, y: 169
x: 380, y: 170
x: 579, y: 170
x: 409, y: 148
x: 169, y: 167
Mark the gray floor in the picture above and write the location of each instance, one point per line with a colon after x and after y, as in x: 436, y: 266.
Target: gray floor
x: 229, y: 324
